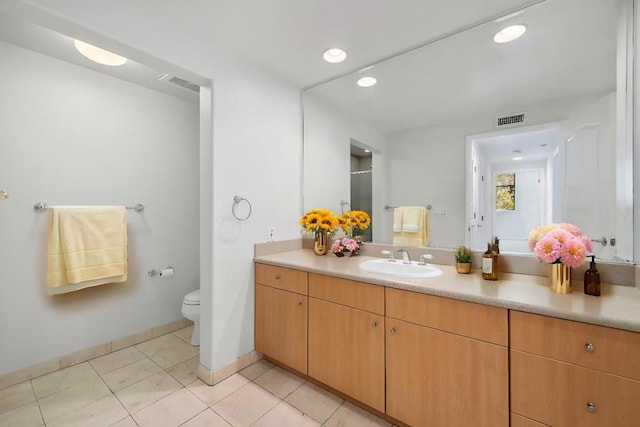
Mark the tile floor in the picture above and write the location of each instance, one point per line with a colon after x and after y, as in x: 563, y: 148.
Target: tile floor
x: 155, y: 384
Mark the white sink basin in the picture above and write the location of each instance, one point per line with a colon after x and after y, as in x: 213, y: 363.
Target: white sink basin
x: 399, y: 269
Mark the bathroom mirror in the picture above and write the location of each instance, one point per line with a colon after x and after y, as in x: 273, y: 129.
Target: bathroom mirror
x: 552, y: 98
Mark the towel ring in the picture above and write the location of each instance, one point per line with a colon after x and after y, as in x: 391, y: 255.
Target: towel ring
x: 236, y: 201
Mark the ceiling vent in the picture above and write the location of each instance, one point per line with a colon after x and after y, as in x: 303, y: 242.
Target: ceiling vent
x: 180, y: 82
x: 510, y: 121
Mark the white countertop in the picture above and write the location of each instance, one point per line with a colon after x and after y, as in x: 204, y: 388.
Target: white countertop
x: 617, y: 307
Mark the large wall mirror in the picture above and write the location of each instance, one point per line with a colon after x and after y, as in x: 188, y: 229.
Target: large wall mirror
x: 458, y: 123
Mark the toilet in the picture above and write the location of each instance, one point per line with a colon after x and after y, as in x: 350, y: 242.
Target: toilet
x: 191, y: 311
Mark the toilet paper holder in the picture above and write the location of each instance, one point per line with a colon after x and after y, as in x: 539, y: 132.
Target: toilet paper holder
x: 165, y: 272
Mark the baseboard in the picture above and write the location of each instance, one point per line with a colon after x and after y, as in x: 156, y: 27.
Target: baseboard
x: 70, y: 359
x: 214, y: 377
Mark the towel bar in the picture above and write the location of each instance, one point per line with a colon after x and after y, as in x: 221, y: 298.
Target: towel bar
x: 387, y: 207
x: 41, y: 207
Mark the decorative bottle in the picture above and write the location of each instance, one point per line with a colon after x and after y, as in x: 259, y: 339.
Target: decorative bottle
x: 490, y: 263
x: 592, y: 279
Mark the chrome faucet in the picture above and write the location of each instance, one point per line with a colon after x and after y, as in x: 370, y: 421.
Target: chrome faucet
x: 406, y: 259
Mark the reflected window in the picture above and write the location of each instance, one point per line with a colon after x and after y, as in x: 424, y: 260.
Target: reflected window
x: 506, y: 191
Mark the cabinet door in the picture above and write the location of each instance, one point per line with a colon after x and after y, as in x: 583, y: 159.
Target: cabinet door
x: 564, y: 395
x: 435, y: 378
x: 346, y: 350
x: 281, y: 326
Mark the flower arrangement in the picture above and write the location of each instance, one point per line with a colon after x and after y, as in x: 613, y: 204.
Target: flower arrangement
x: 560, y: 243
x: 345, y: 245
x: 354, y: 220
x: 463, y: 255
x: 318, y: 220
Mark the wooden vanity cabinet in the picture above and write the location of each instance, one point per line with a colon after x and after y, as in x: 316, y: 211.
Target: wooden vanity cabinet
x: 566, y: 373
x: 346, y: 337
x: 446, y: 361
x: 281, y: 311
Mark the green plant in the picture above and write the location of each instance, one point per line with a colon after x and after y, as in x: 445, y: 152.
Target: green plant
x: 463, y: 255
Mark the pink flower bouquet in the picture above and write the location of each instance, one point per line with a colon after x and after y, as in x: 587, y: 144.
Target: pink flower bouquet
x: 345, y: 245
x: 560, y: 243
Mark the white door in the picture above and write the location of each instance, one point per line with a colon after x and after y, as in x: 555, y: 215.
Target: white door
x: 477, y: 229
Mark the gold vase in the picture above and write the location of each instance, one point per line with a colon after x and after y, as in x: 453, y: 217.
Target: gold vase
x: 321, y: 243
x: 560, y: 276
x: 463, y: 267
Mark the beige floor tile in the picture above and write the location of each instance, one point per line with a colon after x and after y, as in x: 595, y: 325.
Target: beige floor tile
x: 116, y: 360
x: 25, y: 416
x: 206, y: 418
x: 170, y: 411
x: 168, y: 350
x: 254, y: 370
x: 350, y: 415
x: 285, y: 415
x: 210, y: 395
x: 103, y: 412
x: 279, y: 382
x: 314, y: 401
x: 125, y: 422
x: 246, y: 405
x: 16, y: 396
x: 186, y: 372
x: 184, y: 334
x: 131, y: 374
x: 150, y: 390
x: 72, y: 399
x: 63, y: 379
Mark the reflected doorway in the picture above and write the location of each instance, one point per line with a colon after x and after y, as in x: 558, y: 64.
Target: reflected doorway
x: 509, y: 185
x: 361, y: 183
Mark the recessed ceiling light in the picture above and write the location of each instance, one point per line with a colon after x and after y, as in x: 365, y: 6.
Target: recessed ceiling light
x: 517, y: 158
x: 510, y: 33
x: 367, y: 81
x: 99, y: 55
x: 334, y: 55
x: 367, y: 151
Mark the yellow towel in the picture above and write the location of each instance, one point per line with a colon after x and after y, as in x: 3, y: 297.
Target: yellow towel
x: 414, y: 227
x: 397, y: 219
x: 87, y: 247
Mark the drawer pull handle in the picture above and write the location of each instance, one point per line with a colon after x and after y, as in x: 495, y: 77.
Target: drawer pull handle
x: 591, y: 407
x: 374, y: 324
x: 590, y: 347
x: 277, y: 277
x: 393, y: 331
x: 299, y: 303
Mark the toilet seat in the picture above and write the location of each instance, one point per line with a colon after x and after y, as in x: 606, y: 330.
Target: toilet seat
x: 192, y: 298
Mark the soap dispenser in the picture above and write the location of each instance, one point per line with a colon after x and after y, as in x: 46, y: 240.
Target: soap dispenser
x: 592, y: 279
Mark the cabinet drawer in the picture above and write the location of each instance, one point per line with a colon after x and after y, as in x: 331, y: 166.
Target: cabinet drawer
x: 598, y: 347
x: 561, y: 394
x: 282, y: 278
x: 347, y: 292
x: 459, y: 317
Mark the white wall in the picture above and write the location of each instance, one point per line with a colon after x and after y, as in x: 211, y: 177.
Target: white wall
x: 253, y: 151
x: 71, y: 136
x: 427, y: 166
x: 327, y: 159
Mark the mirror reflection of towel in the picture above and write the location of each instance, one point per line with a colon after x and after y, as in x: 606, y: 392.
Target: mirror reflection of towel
x: 397, y: 220
x: 413, y: 231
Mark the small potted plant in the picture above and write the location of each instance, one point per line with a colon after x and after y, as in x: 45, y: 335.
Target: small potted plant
x: 463, y: 260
